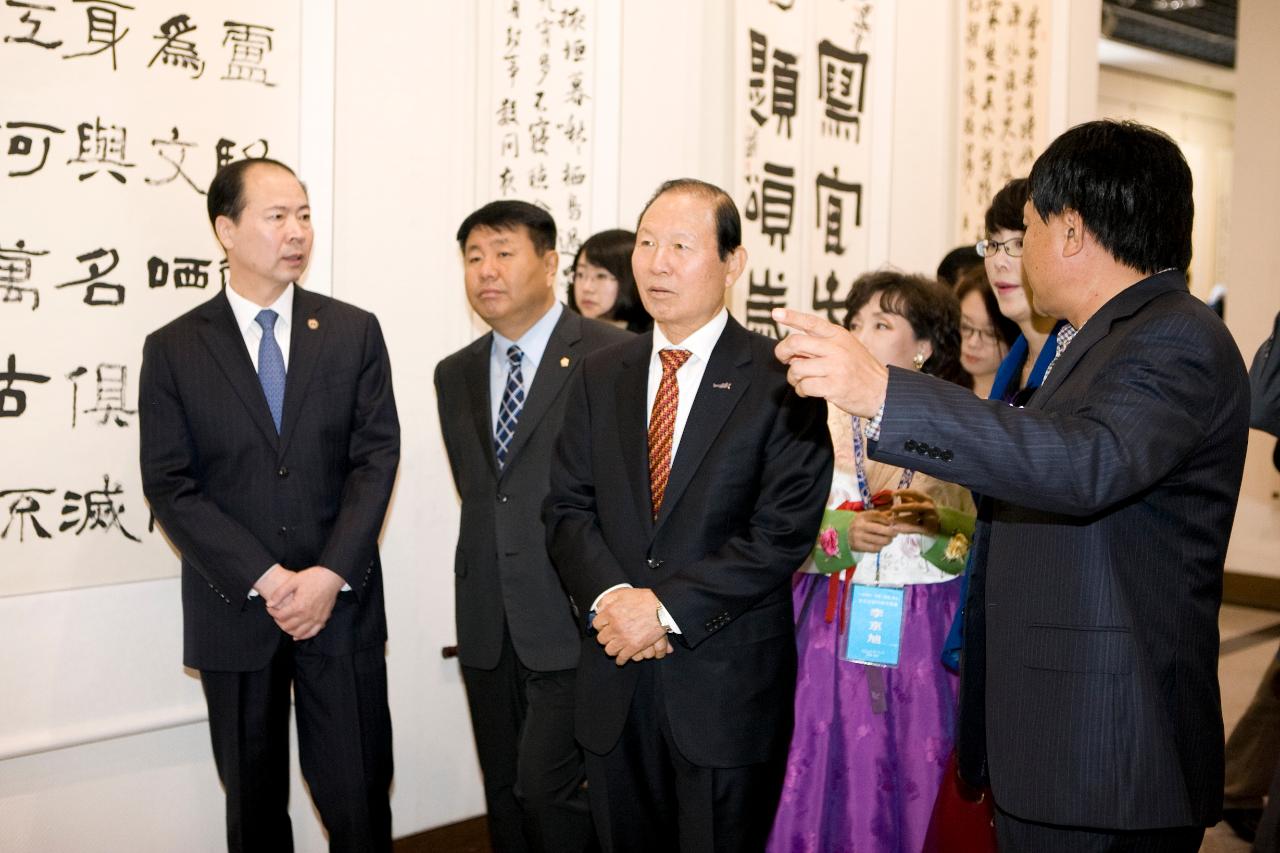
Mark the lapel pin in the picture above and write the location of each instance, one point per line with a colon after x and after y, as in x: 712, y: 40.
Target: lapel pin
x: 564, y: 361
x: 722, y: 386
x: 313, y: 324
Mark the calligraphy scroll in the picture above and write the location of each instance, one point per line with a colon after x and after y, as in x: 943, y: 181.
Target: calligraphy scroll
x: 115, y: 117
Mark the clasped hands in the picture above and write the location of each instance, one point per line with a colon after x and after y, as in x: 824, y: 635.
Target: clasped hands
x: 300, y: 602
x: 906, y: 511
x: 627, y: 626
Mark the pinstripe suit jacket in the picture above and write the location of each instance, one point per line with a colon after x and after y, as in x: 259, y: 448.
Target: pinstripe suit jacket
x: 235, y: 498
x: 1091, y: 637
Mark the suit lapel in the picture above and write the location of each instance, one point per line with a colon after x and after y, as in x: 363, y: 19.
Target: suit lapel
x: 723, y: 384
x: 222, y: 338
x: 633, y: 420
x: 559, y: 359
x: 306, y: 341
x: 476, y: 380
x: 1125, y: 304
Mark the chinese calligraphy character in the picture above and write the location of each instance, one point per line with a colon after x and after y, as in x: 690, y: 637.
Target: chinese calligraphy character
x: 224, y: 153
x: 13, y: 401
x: 100, y: 510
x: 99, y: 292
x: 35, y: 24
x: 786, y: 80
x: 103, y: 22
x: 830, y: 209
x: 830, y: 303
x: 20, y: 144
x: 187, y: 272
x: 106, y: 145
x: 15, y: 271
x: 775, y: 206
x: 24, y: 505
x: 755, y: 83
x: 762, y: 298
x: 175, y: 158
x: 249, y: 46
x: 110, y: 394
x: 842, y: 81
x: 175, y: 50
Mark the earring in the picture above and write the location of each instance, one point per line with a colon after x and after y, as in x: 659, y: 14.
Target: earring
x: 918, y: 361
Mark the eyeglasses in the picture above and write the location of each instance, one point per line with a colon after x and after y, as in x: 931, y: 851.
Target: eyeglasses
x: 988, y: 248
x: 986, y: 336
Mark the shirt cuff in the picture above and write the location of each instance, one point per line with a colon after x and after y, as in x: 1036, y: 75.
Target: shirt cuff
x: 873, y: 428
x: 666, y: 621
x: 595, y: 605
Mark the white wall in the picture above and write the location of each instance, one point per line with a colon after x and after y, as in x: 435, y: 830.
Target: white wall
x: 1253, y: 265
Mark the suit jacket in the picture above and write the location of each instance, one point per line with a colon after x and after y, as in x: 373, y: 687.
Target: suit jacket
x: 501, y: 568
x: 1091, y: 634
x: 235, y: 497
x: 742, y: 507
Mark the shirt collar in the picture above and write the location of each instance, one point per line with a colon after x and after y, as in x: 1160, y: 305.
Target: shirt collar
x: 246, y: 312
x: 533, y: 342
x: 700, y: 343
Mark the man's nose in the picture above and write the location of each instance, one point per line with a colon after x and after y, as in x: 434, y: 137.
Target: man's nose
x: 660, y: 259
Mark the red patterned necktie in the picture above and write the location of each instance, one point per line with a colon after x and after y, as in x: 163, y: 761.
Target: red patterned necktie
x: 662, y: 422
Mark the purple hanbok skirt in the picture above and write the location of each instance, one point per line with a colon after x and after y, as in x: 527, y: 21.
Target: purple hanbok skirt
x: 859, y: 781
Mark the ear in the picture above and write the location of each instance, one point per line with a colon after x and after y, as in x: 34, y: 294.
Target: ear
x: 737, y: 262
x: 1073, y: 233
x: 551, y: 265
x: 224, y: 229
x: 925, y: 348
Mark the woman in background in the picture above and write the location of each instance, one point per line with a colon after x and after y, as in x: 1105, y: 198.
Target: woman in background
x: 986, y: 335
x: 604, y: 288
x: 870, y: 743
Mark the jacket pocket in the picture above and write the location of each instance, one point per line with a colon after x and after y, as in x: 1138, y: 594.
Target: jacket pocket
x: 1079, y: 648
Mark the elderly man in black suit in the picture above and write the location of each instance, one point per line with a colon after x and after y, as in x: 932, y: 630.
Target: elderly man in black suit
x: 1089, y: 693
x: 269, y: 445
x: 501, y: 402
x: 687, y: 487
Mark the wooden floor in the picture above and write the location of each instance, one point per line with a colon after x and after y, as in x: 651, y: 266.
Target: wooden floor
x: 467, y: 836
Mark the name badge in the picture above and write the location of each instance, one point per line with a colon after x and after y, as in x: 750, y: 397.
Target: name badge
x: 875, y: 625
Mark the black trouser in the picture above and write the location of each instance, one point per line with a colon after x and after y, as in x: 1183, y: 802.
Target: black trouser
x: 344, y: 747
x: 532, y: 766
x: 1014, y: 835
x: 646, y: 796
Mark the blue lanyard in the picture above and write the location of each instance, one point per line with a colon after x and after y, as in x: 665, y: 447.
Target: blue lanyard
x: 860, y: 467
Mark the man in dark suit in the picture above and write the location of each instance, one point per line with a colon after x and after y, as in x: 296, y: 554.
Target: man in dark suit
x: 1089, y: 692
x: 687, y: 486
x: 501, y: 403
x: 271, y: 475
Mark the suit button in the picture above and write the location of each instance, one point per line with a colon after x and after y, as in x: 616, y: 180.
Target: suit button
x: 503, y: 498
x: 910, y: 445
x: 947, y: 456
x: 934, y: 453
x: 282, y: 531
x: 282, y: 472
x: 922, y: 449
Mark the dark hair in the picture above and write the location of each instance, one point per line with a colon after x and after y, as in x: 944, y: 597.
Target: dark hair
x: 1131, y: 186
x: 956, y: 263
x: 728, y: 223
x: 612, y: 251
x: 930, y: 309
x: 509, y: 215
x: 226, y: 190
x: 975, y: 279
x: 1005, y: 211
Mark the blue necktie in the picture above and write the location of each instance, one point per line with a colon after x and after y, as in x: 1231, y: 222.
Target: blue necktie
x: 509, y: 408
x: 271, y: 365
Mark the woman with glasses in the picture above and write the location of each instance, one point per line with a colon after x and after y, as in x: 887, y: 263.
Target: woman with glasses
x: 986, y: 335
x: 603, y: 286
x: 1024, y: 367
x: 867, y: 752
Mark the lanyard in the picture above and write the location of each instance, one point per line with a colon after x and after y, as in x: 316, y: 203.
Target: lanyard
x: 860, y: 467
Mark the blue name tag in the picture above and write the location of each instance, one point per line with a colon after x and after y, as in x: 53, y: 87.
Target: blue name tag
x: 875, y: 625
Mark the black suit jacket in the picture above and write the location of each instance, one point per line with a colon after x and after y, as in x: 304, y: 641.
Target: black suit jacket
x: 235, y: 498
x: 502, y: 571
x: 743, y: 504
x: 1091, y: 634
